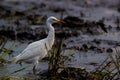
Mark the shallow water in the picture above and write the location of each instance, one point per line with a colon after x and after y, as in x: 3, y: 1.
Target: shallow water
x: 79, y: 58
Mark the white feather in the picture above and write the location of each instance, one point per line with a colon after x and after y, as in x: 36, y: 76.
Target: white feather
x: 38, y: 49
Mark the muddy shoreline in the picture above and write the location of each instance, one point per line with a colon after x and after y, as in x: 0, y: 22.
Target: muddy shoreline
x: 92, y: 29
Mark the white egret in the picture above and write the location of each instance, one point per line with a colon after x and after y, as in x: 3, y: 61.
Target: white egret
x: 38, y: 49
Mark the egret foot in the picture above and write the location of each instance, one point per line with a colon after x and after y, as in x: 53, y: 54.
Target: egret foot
x: 34, y: 70
x: 35, y: 65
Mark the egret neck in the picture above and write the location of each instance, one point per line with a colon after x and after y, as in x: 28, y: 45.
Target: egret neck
x: 51, y: 34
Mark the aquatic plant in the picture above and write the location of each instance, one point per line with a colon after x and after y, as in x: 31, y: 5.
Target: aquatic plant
x: 108, y: 70
x: 5, y: 51
x: 56, y: 59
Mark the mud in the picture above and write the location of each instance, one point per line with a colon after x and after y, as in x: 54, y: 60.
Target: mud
x: 91, y: 28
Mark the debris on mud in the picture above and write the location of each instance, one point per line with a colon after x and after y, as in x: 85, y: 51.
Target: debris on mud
x: 90, y: 33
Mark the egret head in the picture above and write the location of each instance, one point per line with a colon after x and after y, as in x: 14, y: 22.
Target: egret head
x: 53, y: 20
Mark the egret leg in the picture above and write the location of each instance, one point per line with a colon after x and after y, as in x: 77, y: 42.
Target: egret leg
x: 35, y: 65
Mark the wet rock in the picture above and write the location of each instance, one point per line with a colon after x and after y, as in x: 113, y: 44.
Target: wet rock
x: 18, y: 13
x: 42, y: 5
x: 57, y: 9
x: 27, y: 35
x: 99, y: 50
x: 92, y: 48
x: 73, y: 22
x: 73, y: 73
x: 64, y: 73
x: 9, y: 34
x: 2, y: 61
x: 109, y: 50
x: 63, y: 34
x: 90, y: 27
x: 96, y: 41
x: 64, y: 45
x: 84, y: 47
x: 101, y: 24
x: 94, y: 64
x: 118, y: 9
x: 36, y: 19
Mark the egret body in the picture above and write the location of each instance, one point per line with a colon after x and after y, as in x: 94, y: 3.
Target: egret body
x: 38, y: 49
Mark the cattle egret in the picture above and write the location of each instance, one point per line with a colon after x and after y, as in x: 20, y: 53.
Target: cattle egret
x: 38, y: 49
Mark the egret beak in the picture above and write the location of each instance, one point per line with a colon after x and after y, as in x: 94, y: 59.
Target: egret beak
x: 59, y: 21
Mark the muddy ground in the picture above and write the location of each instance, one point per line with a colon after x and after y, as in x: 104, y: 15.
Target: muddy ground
x: 91, y: 29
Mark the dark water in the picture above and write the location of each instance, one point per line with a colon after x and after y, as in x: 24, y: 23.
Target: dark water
x: 92, y: 11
